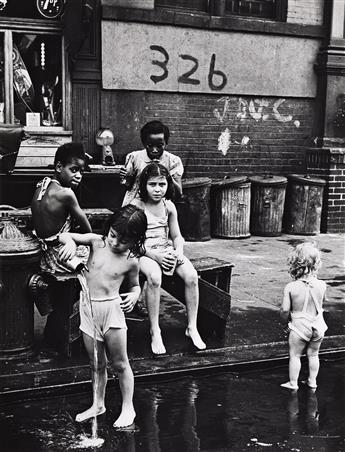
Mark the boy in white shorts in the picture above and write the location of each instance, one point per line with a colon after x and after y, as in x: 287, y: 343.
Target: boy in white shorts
x: 112, y: 257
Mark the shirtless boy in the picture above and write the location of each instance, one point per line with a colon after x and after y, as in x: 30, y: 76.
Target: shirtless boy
x: 112, y: 256
x: 53, y: 207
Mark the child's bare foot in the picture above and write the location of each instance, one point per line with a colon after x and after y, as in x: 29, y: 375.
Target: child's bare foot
x: 310, y: 383
x: 194, y: 335
x: 289, y: 385
x: 90, y: 413
x: 125, y: 419
x: 157, y: 345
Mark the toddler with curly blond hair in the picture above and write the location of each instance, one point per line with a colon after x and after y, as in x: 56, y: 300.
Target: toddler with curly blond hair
x: 302, y: 305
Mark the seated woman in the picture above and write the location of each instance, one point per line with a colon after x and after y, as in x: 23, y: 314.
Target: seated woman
x: 162, y: 254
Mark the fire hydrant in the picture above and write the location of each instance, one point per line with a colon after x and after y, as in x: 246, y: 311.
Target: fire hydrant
x: 19, y: 255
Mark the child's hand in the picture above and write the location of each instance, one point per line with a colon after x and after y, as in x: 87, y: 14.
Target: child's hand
x: 180, y: 258
x: 123, y: 173
x: 128, y: 301
x: 168, y: 261
x: 286, y: 330
x: 68, y: 250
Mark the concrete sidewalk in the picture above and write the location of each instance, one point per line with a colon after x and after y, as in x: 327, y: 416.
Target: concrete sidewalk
x: 259, y: 277
x: 255, y: 338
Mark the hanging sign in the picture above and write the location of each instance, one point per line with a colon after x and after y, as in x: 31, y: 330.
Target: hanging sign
x: 50, y: 9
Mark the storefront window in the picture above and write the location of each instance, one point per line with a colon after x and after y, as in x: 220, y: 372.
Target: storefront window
x: 33, y: 94
x: 35, y: 88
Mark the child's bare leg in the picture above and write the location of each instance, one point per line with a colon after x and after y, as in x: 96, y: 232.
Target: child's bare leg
x: 190, y: 278
x: 116, y: 340
x: 313, y: 362
x: 296, y: 348
x: 97, y: 406
x: 153, y: 273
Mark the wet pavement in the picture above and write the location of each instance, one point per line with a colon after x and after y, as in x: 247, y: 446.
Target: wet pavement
x: 217, y: 411
x: 255, y: 335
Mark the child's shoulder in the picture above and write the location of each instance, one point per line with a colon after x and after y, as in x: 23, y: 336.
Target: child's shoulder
x: 62, y: 193
x: 96, y: 240
x: 291, y: 285
x: 132, y: 263
x: 319, y: 283
x: 170, y: 205
x: 138, y: 203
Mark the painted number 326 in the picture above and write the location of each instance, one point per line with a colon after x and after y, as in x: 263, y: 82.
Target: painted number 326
x: 216, y: 79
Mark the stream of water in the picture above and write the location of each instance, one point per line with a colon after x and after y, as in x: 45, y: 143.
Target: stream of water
x: 94, y: 441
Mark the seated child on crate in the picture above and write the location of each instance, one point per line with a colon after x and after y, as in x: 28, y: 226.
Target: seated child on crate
x: 162, y: 254
x: 302, y: 302
x: 54, y: 206
x: 102, y: 319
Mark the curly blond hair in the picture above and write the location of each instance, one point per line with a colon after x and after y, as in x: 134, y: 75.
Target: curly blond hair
x: 304, y: 259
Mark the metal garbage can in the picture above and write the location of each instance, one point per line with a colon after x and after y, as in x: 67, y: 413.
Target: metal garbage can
x: 230, y: 207
x: 20, y: 255
x: 303, y: 205
x: 267, y: 204
x: 194, y: 209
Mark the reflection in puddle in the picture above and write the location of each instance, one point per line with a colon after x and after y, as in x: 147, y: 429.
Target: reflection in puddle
x: 228, y: 412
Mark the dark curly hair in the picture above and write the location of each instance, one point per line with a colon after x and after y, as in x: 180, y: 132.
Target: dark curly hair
x: 155, y: 169
x: 304, y: 259
x: 153, y: 128
x: 66, y: 152
x: 130, y: 223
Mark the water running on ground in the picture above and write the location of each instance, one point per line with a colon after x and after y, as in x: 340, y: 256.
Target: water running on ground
x: 230, y: 412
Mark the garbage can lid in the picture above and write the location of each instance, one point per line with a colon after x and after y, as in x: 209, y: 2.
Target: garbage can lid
x: 306, y: 180
x: 196, y: 181
x: 268, y: 180
x: 13, y: 241
x: 233, y: 180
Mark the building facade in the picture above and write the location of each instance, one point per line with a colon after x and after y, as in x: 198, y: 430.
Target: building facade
x: 246, y: 87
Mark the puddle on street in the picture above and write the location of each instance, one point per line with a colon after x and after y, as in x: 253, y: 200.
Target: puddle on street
x: 246, y: 411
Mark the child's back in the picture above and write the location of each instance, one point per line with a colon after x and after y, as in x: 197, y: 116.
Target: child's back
x: 298, y: 289
x: 49, y: 208
x: 302, y: 303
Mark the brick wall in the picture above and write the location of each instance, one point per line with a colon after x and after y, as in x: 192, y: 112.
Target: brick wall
x: 336, y: 197
x: 219, y: 135
x: 329, y: 164
x: 307, y: 12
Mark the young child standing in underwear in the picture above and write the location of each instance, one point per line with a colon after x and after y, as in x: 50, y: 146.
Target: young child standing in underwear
x: 164, y: 250
x: 302, y: 303
x: 112, y: 256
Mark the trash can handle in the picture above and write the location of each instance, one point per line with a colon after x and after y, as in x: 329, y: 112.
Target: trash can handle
x: 6, y: 206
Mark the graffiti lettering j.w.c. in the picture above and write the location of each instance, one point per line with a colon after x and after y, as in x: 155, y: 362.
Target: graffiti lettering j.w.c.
x: 259, y: 109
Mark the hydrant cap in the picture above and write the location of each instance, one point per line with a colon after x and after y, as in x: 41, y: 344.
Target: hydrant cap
x: 13, y: 241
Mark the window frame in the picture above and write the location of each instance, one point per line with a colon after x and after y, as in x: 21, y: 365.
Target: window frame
x: 218, y: 8
x: 8, y: 26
